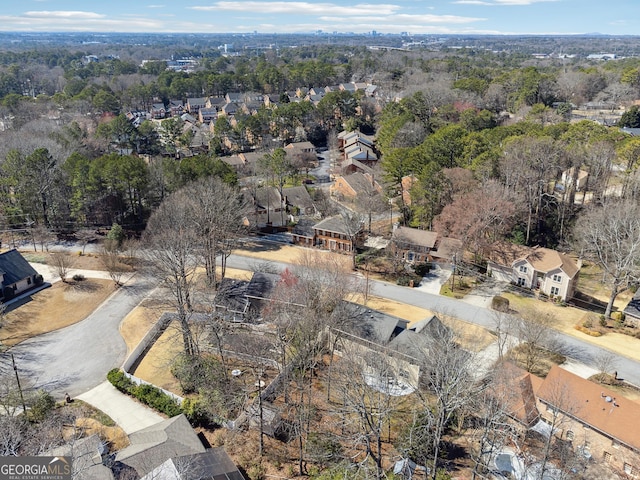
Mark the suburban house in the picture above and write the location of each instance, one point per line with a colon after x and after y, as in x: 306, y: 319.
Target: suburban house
x: 176, y: 108
x: 367, y: 333
x: 580, y: 179
x: 551, y: 272
x: 158, y: 111
x: 160, y: 450
x: 298, y: 201
x: 416, y: 246
x: 350, y: 186
x: 596, y: 420
x: 265, y: 208
x: 334, y: 233
x: 16, y: 274
x: 195, y: 104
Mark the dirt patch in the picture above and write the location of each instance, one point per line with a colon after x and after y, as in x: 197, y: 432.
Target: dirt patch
x: 274, y: 252
x: 53, y: 308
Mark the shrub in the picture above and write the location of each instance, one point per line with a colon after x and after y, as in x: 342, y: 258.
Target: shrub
x: 39, y: 280
x: 603, y: 321
x: 41, y: 405
x: 405, y: 280
x: 118, y: 379
x: 78, y: 277
x: 500, y: 304
x: 156, y: 398
x: 422, y: 269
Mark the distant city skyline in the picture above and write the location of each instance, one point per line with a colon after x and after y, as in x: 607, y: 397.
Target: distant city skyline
x: 483, y: 17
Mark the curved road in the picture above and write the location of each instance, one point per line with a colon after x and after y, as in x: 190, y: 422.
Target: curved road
x: 77, y: 358
x: 572, y: 347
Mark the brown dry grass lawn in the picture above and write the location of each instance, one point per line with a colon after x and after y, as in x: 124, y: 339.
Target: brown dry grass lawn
x: 287, y: 253
x: 53, y: 308
x: 568, y: 317
x: 155, y: 367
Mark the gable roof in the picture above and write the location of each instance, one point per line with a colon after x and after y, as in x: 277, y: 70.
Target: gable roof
x: 372, y: 325
x: 414, y: 341
x: 592, y: 404
x: 298, y: 197
x: 515, y: 388
x: 87, y: 458
x: 212, y: 464
x: 545, y: 260
x: 541, y: 259
x: 157, y: 443
x: 15, y: 267
x: 334, y: 224
x: 361, y: 183
x: 415, y: 236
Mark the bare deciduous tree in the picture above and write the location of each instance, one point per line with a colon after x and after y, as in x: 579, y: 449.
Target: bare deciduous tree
x: 610, y: 236
x: 111, y: 261
x: 171, y: 253
x: 62, y: 263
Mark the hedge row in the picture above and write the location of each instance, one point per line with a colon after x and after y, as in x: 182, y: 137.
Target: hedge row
x: 147, y: 394
x: 591, y: 333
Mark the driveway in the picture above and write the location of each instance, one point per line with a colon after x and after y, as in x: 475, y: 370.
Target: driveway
x: 433, y: 281
x: 77, y: 358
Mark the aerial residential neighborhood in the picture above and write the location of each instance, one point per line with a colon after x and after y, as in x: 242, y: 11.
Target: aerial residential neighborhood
x: 313, y: 255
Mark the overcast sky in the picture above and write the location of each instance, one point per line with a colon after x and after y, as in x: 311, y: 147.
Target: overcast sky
x: 616, y: 17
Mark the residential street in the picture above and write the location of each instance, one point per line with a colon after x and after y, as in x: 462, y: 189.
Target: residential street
x: 576, y: 349
x: 77, y: 358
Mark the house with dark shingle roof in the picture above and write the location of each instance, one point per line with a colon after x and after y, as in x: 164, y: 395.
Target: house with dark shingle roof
x: 333, y: 233
x: 213, y: 464
x: 16, y: 275
x: 157, y: 443
x: 632, y: 310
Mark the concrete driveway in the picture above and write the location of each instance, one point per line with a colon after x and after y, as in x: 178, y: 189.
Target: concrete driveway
x: 433, y: 281
x: 77, y: 358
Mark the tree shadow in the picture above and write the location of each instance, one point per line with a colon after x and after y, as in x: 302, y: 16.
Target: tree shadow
x: 587, y: 302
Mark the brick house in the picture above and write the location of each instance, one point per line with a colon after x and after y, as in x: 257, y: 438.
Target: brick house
x: 335, y: 234
x: 416, y: 246
x: 597, y: 421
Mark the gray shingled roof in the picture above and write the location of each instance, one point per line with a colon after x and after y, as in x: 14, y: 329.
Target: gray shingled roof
x: 333, y: 224
x: 15, y: 267
x: 633, y: 308
x: 372, y: 325
x: 212, y: 464
x: 298, y: 197
x: 154, y: 445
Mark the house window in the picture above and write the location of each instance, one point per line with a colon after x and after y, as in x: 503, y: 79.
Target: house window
x: 555, y: 291
x: 557, y: 278
x: 521, y: 281
x: 410, y: 256
x: 29, y: 281
x: 606, y: 456
x: 630, y: 470
x: 569, y: 435
x: 523, y: 268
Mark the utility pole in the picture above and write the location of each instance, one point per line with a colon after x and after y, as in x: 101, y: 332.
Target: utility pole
x: 15, y: 369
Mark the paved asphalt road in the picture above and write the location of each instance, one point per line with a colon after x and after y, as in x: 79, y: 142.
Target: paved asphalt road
x: 572, y: 347
x: 77, y: 358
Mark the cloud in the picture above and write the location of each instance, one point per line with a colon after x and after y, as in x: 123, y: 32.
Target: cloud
x: 63, y: 14
x: 300, y: 8
x: 498, y: 3
x: 155, y: 6
x: 76, y: 21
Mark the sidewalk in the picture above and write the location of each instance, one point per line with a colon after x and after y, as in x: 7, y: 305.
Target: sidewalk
x: 129, y: 414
